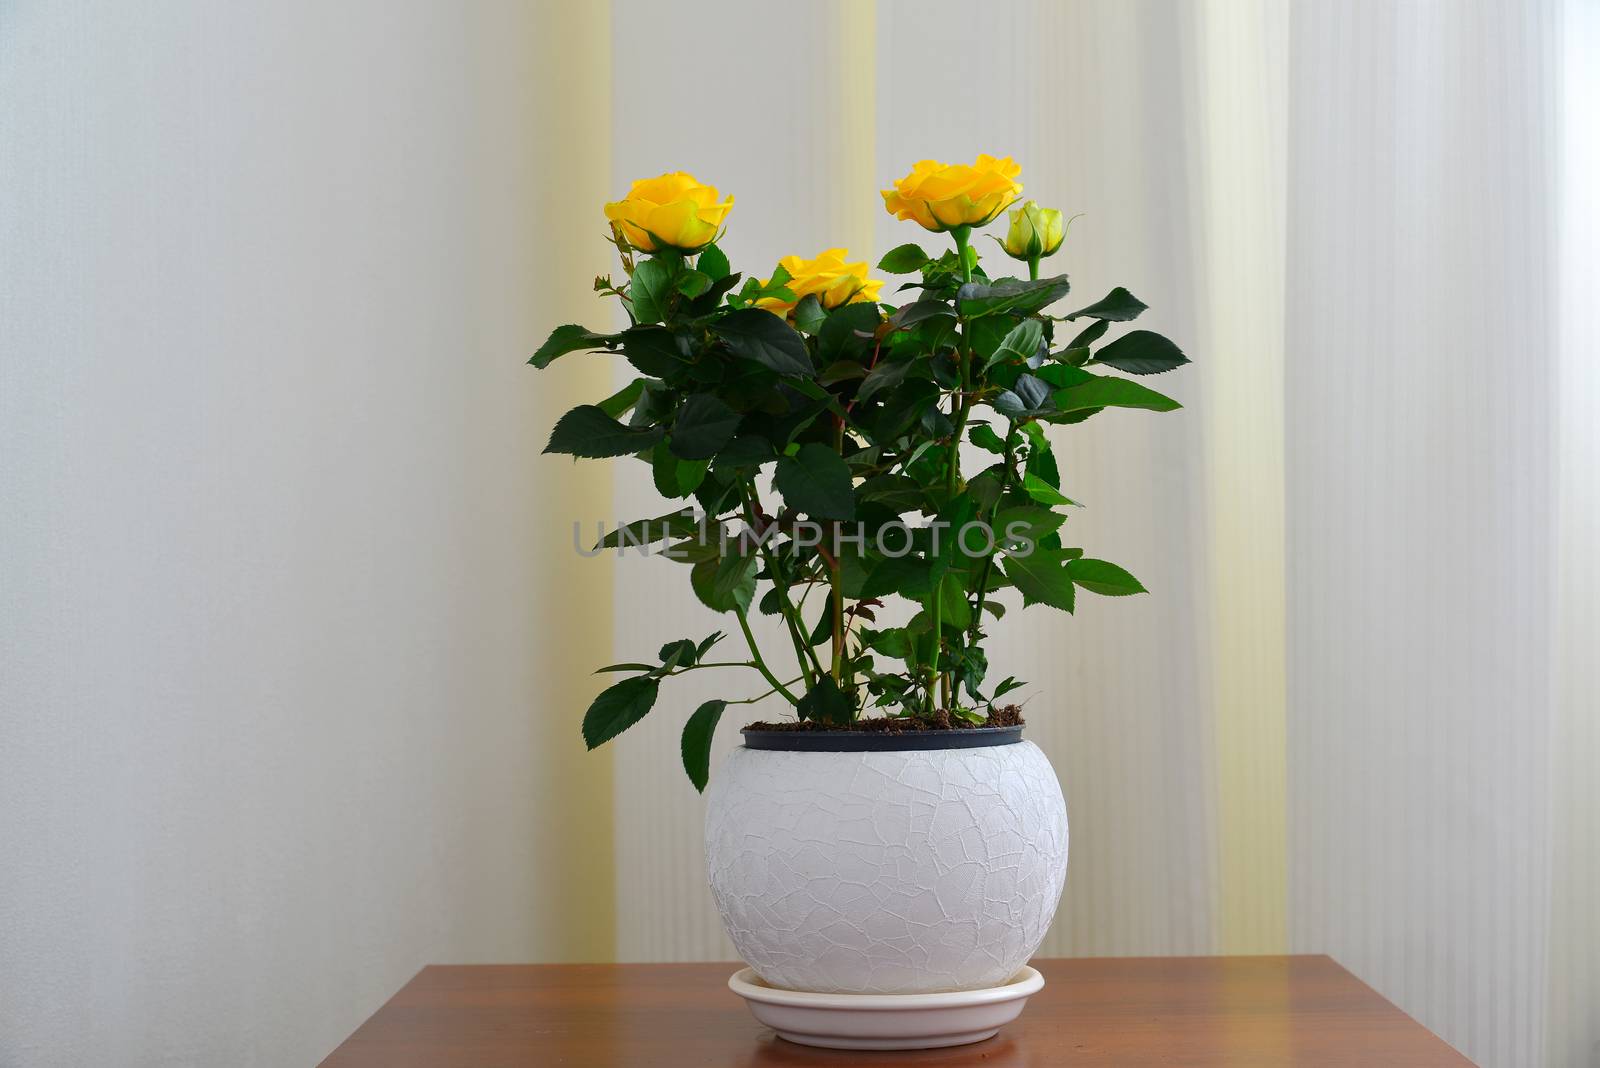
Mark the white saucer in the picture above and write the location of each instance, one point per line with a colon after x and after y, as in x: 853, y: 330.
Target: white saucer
x: 886, y: 1021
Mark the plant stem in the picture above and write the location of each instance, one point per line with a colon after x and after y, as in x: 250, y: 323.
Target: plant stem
x: 760, y: 664
x: 1033, y: 268
x: 835, y: 576
x: 797, y: 633
x: 760, y: 696
x: 988, y: 561
x: 960, y: 408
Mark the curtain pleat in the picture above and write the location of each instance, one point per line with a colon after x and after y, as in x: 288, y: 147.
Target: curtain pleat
x: 1356, y: 713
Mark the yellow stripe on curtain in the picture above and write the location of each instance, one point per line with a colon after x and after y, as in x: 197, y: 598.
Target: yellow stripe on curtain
x: 570, y: 141
x: 1242, y: 55
x: 854, y: 23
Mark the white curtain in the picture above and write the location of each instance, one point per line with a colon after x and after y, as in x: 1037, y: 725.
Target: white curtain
x: 278, y: 680
x: 1356, y: 714
x: 290, y: 642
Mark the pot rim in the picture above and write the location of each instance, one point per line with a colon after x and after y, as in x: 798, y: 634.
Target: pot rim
x: 876, y: 742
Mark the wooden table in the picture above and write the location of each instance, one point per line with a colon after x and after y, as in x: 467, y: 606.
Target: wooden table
x: 1193, y: 1011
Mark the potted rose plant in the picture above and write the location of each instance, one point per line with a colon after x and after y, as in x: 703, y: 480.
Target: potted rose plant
x: 871, y: 472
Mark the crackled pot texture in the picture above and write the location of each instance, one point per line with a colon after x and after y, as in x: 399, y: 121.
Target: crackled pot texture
x: 887, y: 872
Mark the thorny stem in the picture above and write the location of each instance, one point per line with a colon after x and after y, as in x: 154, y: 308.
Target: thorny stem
x: 960, y: 407
x: 988, y: 561
x: 762, y: 696
x: 835, y: 578
x: 802, y: 647
x: 760, y: 664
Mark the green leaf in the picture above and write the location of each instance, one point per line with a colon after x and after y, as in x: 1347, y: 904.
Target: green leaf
x: 675, y: 477
x: 1141, y: 352
x: 706, y: 643
x: 650, y: 290
x: 680, y: 653
x: 985, y: 336
x: 622, y: 399
x: 565, y: 339
x: 956, y: 612
x: 1026, y: 523
x: 1116, y: 306
x: 903, y: 259
x: 642, y: 532
x: 1112, y: 393
x: 1103, y: 577
x: 704, y: 425
x: 909, y: 576
x: 618, y: 708
x: 816, y: 481
x: 697, y: 742
x: 884, y: 376
x: 1089, y: 335
x: 1061, y: 376
x: 1010, y: 295
x: 841, y: 371
x: 693, y: 283
x: 1028, y: 396
x: 624, y: 667
x: 843, y: 333
x: 1021, y: 343
x: 984, y: 437
x: 957, y: 513
x: 1042, y: 577
x: 1007, y: 686
x: 757, y: 334
x: 588, y: 431
x: 808, y: 314
x: 975, y: 665
x: 726, y: 584
x: 775, y: 286
x: 693, y: 549
x: 718, y: 493
x: 1041, y: 458
x: 1042, y: 491
x: 713, y: 263
x: 920, y: 312
x: 826, y: 703
x: 985, y: 488
x: 707, y: 302
x: 893, y: 642
x: 746, y: 450
x: 823, y: 630
x: 652, y: 350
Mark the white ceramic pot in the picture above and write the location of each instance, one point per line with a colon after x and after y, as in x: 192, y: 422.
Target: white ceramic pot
x: 890, y: 872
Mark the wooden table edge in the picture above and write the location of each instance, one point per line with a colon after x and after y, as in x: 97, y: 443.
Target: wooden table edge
x: 420, y: 982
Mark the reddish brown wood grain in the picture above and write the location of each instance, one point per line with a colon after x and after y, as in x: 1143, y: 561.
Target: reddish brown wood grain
x: 1242, y: 1012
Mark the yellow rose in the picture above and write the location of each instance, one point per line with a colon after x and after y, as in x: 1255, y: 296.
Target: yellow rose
x: 828, y: 277
x: 940, y: 196
x: 1034, y: 232
x: 672, y: 211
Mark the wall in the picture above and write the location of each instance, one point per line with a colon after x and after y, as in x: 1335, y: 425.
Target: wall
x: 284, y: 701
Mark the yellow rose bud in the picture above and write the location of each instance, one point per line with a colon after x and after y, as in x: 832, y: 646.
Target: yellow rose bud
x: 1034, y: 232
x: 828, y: 277
x: 672, y: 211
x: 940, y: 196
